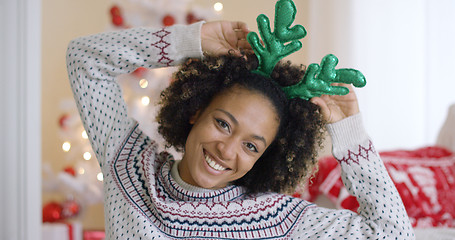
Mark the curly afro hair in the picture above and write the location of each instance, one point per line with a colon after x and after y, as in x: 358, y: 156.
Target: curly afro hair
x: 289, y: 158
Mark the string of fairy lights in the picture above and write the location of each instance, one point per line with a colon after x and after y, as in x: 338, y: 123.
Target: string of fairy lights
x: 87, y: 155
x: 218, y: 6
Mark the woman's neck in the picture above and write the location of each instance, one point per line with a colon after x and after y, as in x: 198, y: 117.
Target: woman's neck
x: 176, y: 175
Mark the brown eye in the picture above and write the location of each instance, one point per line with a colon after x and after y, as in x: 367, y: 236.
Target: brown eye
x: 223, y: 124
x: 251, y: 147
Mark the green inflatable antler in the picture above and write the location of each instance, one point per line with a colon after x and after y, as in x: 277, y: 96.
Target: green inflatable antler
x: 318, y: 79
x: 274, y: 48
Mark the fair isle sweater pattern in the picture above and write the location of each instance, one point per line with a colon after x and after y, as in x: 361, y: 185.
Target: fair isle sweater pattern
x: 162, y: 44
x: 143, y: 200
x: 144, y: 178
x: 354, y: 157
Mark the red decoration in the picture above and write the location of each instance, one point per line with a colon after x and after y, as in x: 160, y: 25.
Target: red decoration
x: 191, y: 18
x: 62, y: 120
x: 168, y: 20
x: 117, y: 21
x: 297, y: 195
x: 115, y: 10
x: 139, y: 72
x: 70, y: 209
x: 52, y: 212
x: 423, y: 178
x: 116, y: 15
x: 70, y: 171
x: 94, y: 235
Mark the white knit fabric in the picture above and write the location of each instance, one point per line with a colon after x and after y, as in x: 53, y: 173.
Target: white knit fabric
x: 145, y: 200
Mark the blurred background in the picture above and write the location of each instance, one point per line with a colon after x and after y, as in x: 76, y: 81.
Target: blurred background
x: 404, y: 48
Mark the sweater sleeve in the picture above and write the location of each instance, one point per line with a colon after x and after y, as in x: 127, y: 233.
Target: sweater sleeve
x: 94, y: 62
x: 381, y: 214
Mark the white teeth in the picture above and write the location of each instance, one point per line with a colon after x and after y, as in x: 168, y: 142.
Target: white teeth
x: 213, y: 164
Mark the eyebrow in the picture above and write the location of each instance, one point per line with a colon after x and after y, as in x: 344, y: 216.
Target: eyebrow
x: 233, y: 119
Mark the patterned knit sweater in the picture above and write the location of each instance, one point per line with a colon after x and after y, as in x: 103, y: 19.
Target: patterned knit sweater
x: 145, y: 199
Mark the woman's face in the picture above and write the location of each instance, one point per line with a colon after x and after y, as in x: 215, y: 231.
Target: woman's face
x: 227, y: 138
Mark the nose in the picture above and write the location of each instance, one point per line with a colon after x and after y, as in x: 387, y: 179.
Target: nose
x: 227, y: 148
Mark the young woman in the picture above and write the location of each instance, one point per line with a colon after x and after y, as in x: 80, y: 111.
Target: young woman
x: 244, y: 143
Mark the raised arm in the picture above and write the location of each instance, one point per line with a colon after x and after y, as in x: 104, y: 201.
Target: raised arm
x: 95, y: 61
x: 381, y: 214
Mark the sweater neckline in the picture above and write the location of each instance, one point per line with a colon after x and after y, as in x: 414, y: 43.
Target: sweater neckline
x: 188, y: 187
x: 178, y: 189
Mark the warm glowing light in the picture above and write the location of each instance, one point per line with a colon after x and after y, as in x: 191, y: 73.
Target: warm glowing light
x: 100, y: 177
x: 81, y: 171
x: 218, y: 6
x: 143, y: 83
x: 87, y: 156
x: 66, y: 146
x: 84, y: 135
x: 145, y: 101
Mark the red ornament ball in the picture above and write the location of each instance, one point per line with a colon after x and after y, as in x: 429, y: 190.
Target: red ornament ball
x: 117, y: 21
x: 115, y: 10
x: 70, y: 208
x: 190, y: 18
x: 168, y: 20
x: 52, y: 212
x: 62, y: 121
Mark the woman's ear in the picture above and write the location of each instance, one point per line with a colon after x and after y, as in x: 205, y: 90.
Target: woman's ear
x: 194, y: 118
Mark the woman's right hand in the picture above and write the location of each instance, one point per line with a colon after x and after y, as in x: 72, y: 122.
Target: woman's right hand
x: 223, y: 37
x: 334, y: 107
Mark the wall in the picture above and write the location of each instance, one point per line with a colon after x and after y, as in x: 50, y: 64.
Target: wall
x: 440, y: 52
x: 405, y: 50
x: 20, y: 133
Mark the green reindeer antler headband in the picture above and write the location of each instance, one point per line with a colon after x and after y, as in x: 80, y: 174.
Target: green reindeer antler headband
x: 317, y: 79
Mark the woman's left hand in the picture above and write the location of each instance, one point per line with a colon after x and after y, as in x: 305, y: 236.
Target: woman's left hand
x: 223, y: 37
x: 335, y: 108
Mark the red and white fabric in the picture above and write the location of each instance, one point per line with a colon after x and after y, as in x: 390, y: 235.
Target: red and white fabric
x: 425, y: 179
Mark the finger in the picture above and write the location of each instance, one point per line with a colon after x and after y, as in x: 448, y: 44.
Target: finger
x: 240, y: 26
x: 247, y: 52
x: 342, y: 84
x: 243, y: 44
x: 235, y: 52
x: 240, y: 34
x: 324, y: 108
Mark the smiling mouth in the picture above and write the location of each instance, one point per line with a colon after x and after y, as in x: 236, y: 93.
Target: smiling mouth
x: 213, y: 164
